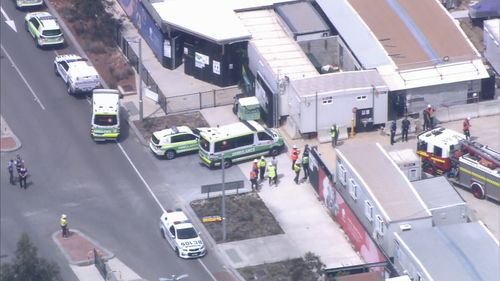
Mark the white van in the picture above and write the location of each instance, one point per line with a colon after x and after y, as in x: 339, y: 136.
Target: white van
x: 105, y: 123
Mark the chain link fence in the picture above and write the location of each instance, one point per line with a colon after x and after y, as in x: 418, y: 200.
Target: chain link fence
x: 180, y: 103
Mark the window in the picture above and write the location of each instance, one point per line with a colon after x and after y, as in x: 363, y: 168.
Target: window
x: 172, y: 230
x: 360, y: 98
x: 342, y: 175
x: 233, y: 143
x: 263, y: 136
x: 35, y: 23
x: 380, y: 225
x: 65, y: 65
x: 204, y: 144
x: 327, y: 100
x: 353, y: 189
x: 183, y: 137
x: 422, y: 145
x: 369, y: 210
x: 51, y: 32
x: 105, y: 120
x: 438, y: 151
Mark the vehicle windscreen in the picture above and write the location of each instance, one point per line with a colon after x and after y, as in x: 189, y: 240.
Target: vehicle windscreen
x: 105, y: 120
x: 204, y: 144
x: 155, y: 139
x: 51, y: 32
x: 186, y: 233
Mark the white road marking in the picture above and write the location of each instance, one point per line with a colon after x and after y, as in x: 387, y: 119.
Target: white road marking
x: 206, y: 269
x: 24, y: 79
x: 8, y: 21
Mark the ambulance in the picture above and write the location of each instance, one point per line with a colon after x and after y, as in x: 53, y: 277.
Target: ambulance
x: 105, y: 123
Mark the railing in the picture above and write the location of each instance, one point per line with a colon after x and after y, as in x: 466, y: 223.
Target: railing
x: 179, y: 103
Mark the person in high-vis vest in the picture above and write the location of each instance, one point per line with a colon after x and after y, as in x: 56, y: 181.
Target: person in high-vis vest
x: 294, y: 155
x: 262, y: 167
x: 296, y: 169
x: 64, y: 226
x: 334, y: 133
x: 305, y: 165
x: 271, y: 174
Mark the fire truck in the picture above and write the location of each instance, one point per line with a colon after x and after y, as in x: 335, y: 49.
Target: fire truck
x: 471, y: 165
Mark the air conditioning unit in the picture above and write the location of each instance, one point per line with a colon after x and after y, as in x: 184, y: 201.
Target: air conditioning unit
x: 405, y: 227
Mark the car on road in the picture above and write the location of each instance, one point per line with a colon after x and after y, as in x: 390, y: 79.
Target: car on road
x: 180, y: 233
x: 27, y: 4
x: 44, y: 29
x: 173, y: 141
x: 78, y: 75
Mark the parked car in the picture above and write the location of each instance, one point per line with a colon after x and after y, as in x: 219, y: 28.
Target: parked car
x: 173, y: 141
x: 44, y: 29
x: 78, y: 75
x: 22, y: 4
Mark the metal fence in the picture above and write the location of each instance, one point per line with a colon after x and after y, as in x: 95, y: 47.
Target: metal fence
x: 180, y: 103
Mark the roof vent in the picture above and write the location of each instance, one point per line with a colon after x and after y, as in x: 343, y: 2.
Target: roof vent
x: 405, y: 227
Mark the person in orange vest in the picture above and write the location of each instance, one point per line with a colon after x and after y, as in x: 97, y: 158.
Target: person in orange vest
x: 255, y: 167
x: 294, y: 155
x: 253, y: 180
x: 466, y: 128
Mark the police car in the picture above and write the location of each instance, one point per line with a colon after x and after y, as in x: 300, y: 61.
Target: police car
x: 180, y: 233
x: 173, y: 141
x: 44, y: 29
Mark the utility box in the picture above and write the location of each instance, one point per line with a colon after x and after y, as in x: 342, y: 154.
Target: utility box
x: 409, y: 162
x: 248, y: 108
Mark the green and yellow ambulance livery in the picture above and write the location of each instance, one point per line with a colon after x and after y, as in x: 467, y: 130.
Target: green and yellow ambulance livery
x: 238, y: 142
x: 105, y: 124
x: 174, y: 141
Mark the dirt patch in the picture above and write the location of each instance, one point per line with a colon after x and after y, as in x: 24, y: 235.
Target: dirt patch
x: 152, y: 124
x: 246, y: 217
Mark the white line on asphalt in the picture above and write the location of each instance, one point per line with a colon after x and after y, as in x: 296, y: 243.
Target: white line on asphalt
x: 24, y: 79
x: 206, y: 269
x: 141, y: 177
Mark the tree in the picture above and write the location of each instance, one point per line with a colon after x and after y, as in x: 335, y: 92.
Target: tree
x: 27, y: 266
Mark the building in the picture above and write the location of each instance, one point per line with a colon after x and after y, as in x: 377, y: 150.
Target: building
x: 378, y: 192
x: 443, y: 201
x: 458, y: 252
x: 403, y: 41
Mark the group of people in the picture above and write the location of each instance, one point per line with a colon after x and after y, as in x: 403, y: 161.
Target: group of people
x: 259, y: 169
x: 22, y: 172
x: 405, y: 128
x: 262, y: 168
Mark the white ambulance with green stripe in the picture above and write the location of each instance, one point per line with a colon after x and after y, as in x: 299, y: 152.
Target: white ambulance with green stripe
x: 238, y: 142
x: 105, y: 124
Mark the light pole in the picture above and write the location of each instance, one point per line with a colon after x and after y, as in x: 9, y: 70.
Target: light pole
x: 224, y: 234
x: 139, y: 41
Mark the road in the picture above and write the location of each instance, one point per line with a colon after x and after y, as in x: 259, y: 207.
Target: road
x: 103, y: 188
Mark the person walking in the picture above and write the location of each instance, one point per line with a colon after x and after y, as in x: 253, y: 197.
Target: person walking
x: 10, y: 166
x: 23, y: 175
x: 262, y: 167
x: 271, y: 174
x: 393, y: 131
x: 405, y: 128
x: 64, y: 226
x: 294, y: 155
x: 466, y: 128
x: 296, y: 169
x: 334, y: 134
x: 253, y: 180
x: 305, y: 165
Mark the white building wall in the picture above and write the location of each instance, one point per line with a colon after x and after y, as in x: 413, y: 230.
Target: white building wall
x: 491, y: 41
x: 449, y: 215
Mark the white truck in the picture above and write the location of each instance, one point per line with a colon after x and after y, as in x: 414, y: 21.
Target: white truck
x: 180, y: 233
x: 78, y: 75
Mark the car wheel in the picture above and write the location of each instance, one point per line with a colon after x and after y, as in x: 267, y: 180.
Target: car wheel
x: 274, y: 152
x: 170, y: 154
x: 55, y: 70
x: 163, y: 234
x: 227, y: 163
x: 69, y: 89
x: 177, y: 251
x: 478, y: 191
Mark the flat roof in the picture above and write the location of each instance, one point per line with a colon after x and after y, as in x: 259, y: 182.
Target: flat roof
x: 383, y: 179
x: 339, y: 82
x: 302, y: 18
x: 493, y: 28
x: 277, y: 48
x: 437, y: 192
x: 458, y: 252
x: 213, y: 20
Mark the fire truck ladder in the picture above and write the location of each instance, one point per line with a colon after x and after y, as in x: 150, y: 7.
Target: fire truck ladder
x: 484, y: 152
